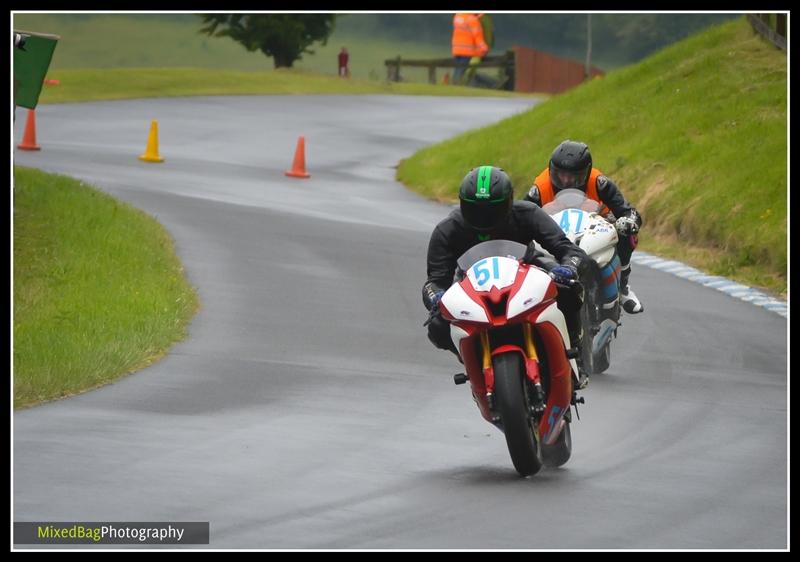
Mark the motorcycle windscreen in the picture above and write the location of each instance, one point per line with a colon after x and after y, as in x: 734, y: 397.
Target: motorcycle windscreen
x: 491, y: 248
x: 571, y: 199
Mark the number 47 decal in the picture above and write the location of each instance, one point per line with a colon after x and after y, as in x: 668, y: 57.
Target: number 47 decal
x: 565, y: 222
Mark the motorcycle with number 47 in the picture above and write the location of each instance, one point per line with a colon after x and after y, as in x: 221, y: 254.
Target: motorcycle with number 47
x: 579, y: 217
x: 515, y: 347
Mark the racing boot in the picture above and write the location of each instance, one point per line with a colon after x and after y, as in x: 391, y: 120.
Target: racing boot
x: 627, y: 298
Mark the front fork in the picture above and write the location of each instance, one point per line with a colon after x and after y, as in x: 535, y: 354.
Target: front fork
x: 548, y: 416
x: 537, y: 403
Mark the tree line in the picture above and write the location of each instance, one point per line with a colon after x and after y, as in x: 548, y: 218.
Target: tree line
x: 621, y: 38
x: 617, y: 38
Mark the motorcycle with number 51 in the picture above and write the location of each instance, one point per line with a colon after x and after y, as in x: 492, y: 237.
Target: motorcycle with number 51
x: 514, y: 344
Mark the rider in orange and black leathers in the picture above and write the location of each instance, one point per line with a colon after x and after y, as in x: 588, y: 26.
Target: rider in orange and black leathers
x: 571, y: 167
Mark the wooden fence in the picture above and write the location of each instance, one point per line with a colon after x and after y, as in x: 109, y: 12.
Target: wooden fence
x: 521, y: 70
x: 537, y: 71
x: 770, y: 26
x: 504, y: 62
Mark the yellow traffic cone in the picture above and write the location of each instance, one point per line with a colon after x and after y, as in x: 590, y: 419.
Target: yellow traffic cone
x: 151, y: 152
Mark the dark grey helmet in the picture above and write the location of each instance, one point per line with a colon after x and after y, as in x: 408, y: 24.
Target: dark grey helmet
x: 570, y: 165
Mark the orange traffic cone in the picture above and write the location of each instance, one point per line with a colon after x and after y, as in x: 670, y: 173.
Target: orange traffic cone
x: 29, y: 138
x: 151, y: 152
x: 299, y: 165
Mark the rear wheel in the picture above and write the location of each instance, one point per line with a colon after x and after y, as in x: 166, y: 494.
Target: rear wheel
x: 559, y: 452
x: 588, y: 315
x: 602, y: 359
x: 522, y: 436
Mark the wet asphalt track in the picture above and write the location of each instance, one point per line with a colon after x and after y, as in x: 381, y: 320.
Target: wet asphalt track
x: 307, y: 409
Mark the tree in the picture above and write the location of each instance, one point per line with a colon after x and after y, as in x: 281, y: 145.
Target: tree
x: 284, y: 37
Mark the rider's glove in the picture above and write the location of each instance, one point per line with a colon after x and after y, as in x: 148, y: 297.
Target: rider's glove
x: 435, y: 298
x: 563, y: 274
x: 626, y: 226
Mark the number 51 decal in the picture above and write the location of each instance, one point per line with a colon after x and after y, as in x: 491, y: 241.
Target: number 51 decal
x: 483, y: 273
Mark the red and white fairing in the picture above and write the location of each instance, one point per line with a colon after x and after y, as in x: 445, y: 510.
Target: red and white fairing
x: 500, y: 291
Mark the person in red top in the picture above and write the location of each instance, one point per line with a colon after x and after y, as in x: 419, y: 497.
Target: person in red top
x: 571, y: 167
x: 467, y: 42
x: 344, y: 72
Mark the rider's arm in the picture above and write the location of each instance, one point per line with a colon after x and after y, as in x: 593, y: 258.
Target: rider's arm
x: 441, y: 265
x: 533, y: 195
x: 612, y: 197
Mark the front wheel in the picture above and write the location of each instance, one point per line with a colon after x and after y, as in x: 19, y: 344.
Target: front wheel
x: 522, y: 436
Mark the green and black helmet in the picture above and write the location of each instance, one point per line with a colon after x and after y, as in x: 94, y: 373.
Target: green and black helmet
x: 486, y: 196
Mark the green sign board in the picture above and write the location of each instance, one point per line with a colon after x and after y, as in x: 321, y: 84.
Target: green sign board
x: 32, y: 55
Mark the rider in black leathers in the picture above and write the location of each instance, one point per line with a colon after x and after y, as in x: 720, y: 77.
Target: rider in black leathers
x: 488, y: 212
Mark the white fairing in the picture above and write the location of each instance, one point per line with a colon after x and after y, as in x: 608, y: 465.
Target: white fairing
x: 553, y: 315
x: 461, y: 306
x: 595, y: 235
x: 496, y: 271
x: 530, y: 293
x: 457, y: 334
x: 599, y: 240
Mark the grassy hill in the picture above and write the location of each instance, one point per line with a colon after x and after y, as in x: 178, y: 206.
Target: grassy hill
x: 168, y: 40
x: 695, y: 135
x: 163, y: 40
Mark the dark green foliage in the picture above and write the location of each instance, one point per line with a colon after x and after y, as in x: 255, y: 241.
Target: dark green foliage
x: 618, y: 39
x: 284, y: 37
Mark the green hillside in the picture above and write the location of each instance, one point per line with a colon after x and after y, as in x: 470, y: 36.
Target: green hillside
x: 696, y: 137
x: 160, y: 39
x: 163, y: 40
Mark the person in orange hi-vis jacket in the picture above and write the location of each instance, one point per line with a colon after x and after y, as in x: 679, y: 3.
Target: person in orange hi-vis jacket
x: 468, y: 42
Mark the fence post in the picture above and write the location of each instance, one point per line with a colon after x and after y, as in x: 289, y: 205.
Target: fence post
x: 510, y: 68
x: 587, y: 71
x: 432, y: 74
x: 393, y: 70
x: 761, y: 25
x: 780, y: 24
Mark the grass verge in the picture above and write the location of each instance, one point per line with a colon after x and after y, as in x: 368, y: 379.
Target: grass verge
x: 98, y: 289
x: 129, y: 83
